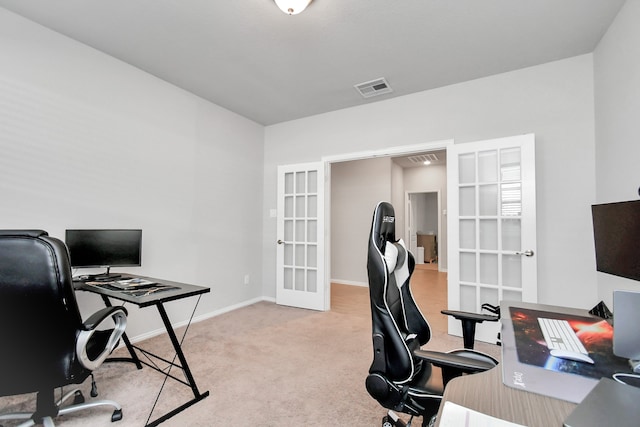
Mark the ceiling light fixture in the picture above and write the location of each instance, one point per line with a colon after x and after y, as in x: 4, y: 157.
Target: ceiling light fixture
x: 292, y: 7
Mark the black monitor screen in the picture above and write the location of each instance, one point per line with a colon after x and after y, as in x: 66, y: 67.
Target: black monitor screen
x: 616, y: 231
x: 104, y: 248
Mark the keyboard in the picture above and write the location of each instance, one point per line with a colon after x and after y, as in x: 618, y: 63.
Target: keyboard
x: 559, y: 335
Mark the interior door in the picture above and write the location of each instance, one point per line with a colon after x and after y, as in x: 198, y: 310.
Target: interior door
x: 492, y: 226
x: 300, y: 229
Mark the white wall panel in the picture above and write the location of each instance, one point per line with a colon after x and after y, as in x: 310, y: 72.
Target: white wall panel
x: 87, y: 141
x: 554, y: 101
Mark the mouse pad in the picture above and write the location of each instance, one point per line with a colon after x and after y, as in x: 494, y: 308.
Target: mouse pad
x: 595, y: 334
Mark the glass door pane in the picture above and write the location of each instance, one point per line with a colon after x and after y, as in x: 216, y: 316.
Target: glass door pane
x: 490, y: 205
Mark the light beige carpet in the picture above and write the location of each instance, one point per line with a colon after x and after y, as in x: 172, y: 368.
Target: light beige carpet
x: 264, y: 365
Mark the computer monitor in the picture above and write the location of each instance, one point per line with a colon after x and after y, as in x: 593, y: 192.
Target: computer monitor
x: 104, y: 248
x: 616, y: 232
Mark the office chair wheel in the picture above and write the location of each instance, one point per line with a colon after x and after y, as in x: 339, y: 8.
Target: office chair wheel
x: 387, y: 421
x: 78, y: 398
x: 116, y: 416
x: 393, y: 421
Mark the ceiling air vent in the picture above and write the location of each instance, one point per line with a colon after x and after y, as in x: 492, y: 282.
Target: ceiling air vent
x: 421, y: 158
x: 373, y: 88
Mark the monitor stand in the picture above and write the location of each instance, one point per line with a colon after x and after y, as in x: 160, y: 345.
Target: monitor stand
x: 105, y: 277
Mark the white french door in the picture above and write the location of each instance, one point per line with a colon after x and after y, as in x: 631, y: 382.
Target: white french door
x: 492, y: 226
x: 300, y: 232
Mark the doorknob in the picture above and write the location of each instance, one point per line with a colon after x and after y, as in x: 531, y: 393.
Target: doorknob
x: 528, y: 252
x: 280, y: 242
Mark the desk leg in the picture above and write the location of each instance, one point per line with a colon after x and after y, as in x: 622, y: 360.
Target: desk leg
x: 185, y: 368
x: 125, y: 338
x: 178, y: 349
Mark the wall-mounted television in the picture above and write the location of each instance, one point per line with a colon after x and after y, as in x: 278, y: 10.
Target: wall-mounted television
x: 106, y: 248
x: 616, y: 232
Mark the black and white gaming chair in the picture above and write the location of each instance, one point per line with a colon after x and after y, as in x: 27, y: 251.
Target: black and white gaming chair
x: 399, y: 377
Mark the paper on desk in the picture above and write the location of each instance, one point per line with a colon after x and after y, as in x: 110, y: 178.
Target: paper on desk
x: 132, y: 283
x: 454, y: 415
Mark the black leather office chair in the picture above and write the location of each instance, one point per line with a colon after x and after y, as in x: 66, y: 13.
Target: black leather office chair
x: 45, y: 344
x: 399, y: 377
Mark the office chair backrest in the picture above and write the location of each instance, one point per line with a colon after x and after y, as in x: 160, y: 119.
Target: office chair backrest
x: 396, y: 319
x: 39, y: 317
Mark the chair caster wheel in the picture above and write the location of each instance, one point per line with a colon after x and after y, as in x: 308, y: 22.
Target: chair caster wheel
x: 78, y: 398
x: 386, y: 422
x: 116, y: 416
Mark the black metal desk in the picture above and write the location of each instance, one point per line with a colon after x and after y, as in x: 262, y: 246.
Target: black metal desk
x: 157, y: 299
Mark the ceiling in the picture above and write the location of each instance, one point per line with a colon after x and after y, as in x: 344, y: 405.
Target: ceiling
x: 249, y: 57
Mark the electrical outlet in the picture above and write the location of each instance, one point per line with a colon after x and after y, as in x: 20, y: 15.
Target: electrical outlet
x: 246, y: 279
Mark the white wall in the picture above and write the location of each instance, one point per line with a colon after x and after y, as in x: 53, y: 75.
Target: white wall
x: 87, y: 141
x: 356, y: 187
x: 397, y: 199
x: 427, y: 220
x: 554, y: 101
x: 617, y: 111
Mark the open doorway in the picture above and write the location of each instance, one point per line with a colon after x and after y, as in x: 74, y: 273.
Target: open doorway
x: 423, y: 227
x: 356, y: 185
x: 355, y: 188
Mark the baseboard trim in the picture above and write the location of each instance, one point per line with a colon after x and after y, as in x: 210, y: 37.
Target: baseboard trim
x: 350, y: 282
x: 160, y: 331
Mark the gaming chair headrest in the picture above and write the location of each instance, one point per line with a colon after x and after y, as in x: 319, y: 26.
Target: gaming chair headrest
x: 384, y: 225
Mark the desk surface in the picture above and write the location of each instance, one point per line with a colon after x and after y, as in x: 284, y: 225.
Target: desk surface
x: 485, y: 392
x: 526, y: 361
x: 182, y: 290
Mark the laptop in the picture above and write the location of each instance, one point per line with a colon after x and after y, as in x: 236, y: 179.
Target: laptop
x: 609, y: 403
x: 626, y: 318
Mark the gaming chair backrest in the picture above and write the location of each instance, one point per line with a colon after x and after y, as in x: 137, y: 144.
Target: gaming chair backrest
x: 387, y: 310
x: 38, y: 313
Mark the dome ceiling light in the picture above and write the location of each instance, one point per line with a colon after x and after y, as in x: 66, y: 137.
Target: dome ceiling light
x: 292, y: 7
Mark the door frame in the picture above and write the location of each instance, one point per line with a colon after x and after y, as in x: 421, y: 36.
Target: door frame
x: 402, y: 150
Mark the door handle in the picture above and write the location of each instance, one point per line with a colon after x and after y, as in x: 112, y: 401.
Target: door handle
x: 280, y: 242
x: 528, y: 252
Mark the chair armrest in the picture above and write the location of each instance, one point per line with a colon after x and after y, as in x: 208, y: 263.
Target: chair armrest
x: 452, y: 360
x: 99, y: 316
x: 119, y: 316
x: 469, y: 321
x: 467, y: 315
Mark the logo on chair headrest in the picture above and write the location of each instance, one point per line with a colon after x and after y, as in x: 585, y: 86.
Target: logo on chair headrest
x: 390, y: 219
